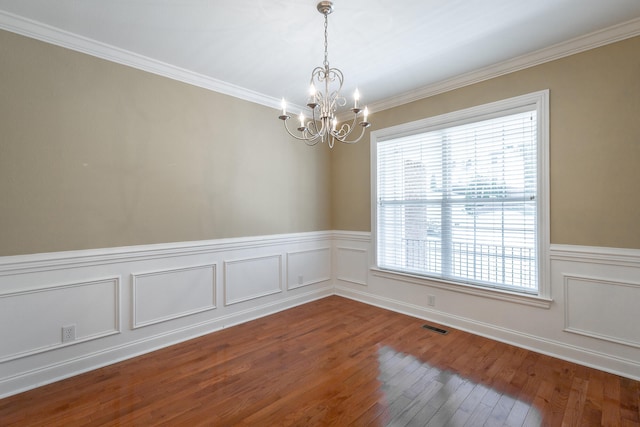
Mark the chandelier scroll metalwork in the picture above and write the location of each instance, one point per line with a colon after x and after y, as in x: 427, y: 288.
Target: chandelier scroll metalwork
x: 323, y: 102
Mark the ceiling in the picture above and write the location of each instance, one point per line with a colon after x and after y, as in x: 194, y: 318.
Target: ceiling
x: 391, y: 50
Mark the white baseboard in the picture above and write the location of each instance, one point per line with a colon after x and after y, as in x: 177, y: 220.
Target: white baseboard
x: 581, y: 356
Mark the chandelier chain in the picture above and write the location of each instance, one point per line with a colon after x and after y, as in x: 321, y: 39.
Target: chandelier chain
x: 326, y: 42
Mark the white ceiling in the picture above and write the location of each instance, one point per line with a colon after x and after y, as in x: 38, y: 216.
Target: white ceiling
x: 265, y: 50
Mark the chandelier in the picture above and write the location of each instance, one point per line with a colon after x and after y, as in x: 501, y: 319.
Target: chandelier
x: 324, y: 99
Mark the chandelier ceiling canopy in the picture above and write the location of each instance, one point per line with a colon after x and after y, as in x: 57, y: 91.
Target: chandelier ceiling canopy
x: 323, y: 101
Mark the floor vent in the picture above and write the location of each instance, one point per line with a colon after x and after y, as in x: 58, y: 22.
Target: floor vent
x: 434, y: 329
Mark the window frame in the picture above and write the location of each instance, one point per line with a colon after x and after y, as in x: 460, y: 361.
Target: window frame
x: 536, y: 100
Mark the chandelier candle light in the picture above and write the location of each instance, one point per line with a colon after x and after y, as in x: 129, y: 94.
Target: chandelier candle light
x: 323, y: 124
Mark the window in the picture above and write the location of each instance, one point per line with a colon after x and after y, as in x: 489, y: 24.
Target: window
x: 462, y: 197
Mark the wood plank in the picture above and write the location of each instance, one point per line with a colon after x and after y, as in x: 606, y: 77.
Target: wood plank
x: 629, y: 398
x: 576, y: 402
x: 611, y: 402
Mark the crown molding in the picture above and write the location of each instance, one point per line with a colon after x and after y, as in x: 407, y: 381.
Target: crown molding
x: 579, y: 44
x: 55, y: 36
x: 46, y: 33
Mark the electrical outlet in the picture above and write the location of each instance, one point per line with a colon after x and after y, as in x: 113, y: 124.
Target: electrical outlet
x: 300, y: 280
x: 431, y: 300
x: 68, y: 333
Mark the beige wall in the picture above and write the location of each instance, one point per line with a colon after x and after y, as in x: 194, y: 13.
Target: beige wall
x: 594, y: 145
x: 94, y: 154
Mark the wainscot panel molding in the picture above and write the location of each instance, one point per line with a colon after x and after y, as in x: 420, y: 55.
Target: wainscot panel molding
x: 585, y: 296
x: 169, y: 294
x: 252, y: 278
x: 575, y: 324
x: 352, y: 265
x: 26, y: 331
x: 315, y: 262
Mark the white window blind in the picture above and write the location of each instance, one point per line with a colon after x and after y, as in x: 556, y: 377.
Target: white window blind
x: 460, y: 202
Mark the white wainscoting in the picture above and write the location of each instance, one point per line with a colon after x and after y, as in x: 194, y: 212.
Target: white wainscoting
x: 92, y: 307
x: 308, y: 267
x: 352, y: 265
x: 168, y: 294
x: 128, y: 301
x: 252, y: 278
x: 586, y: 298
x: 592, y: 319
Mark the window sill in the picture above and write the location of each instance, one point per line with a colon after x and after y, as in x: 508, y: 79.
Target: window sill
x: 498, y: 294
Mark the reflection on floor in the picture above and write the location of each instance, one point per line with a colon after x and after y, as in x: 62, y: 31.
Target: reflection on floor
x: 421, y: 395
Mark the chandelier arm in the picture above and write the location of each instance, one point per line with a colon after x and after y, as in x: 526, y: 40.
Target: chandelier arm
x: 314, y: 120
x: 312, y: 130
x: 307, y: 140
x: 344, y: 141
x: 346, y: 130
x: 343, y: 133
x: 352, y: 126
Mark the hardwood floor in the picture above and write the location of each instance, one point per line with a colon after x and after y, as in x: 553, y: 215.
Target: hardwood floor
x: 333, y: 362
